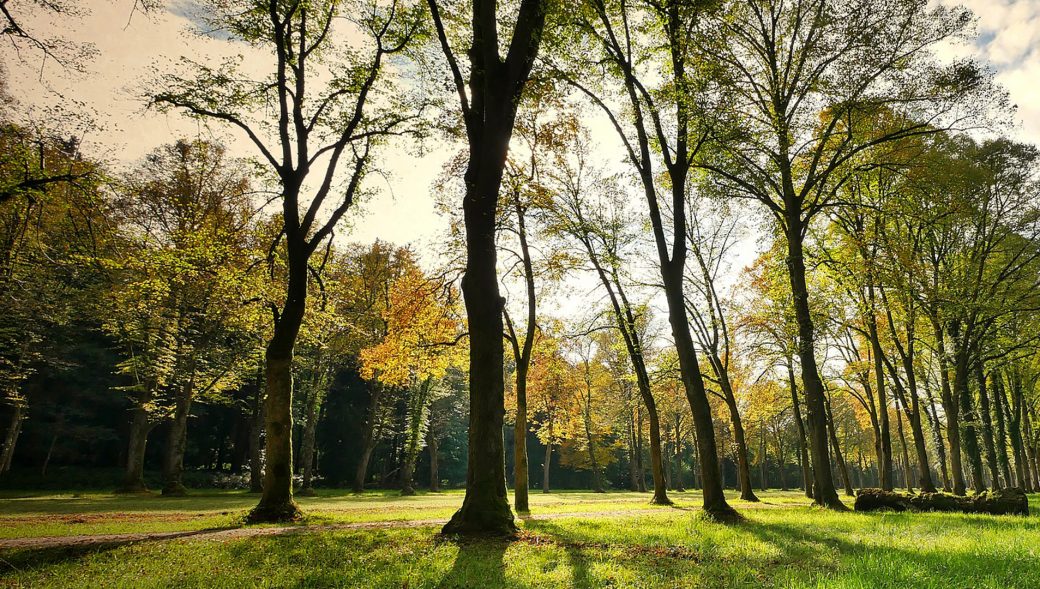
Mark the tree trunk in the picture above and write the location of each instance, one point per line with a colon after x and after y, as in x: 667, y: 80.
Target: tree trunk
x: 177, y: 437
x: 803, y: 449
x: 885, y: 466
x: 940, y: 445
x: 368, y: 438
x: 435, y: 474
x: 743, y: 463
x: 952, y: 409
x: 999, y: 402
x: 714, y: 498
x: 968, y: 416
x: 838, y: 457
x: 133, y: 476
x: 520, y: 465
x: 14, y: 429
x: 987, y: 427
x: 906, y: 455
x: 310, y: 430
x: 276, y: 502
x: 824, y: 492
x: 256, y: 432
x: 545, y: 468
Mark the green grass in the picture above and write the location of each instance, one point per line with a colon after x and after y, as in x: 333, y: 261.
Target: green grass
x: 784, y: 543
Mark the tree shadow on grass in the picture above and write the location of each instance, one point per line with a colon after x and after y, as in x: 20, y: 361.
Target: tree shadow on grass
x: 821, y: 555
x: 480, y: 563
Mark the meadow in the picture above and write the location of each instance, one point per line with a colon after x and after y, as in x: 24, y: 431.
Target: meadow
x: 570, y: 539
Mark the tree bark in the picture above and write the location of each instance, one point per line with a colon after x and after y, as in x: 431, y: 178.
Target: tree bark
x: 494, y: 89
x: 1006, y: 502
x: 177, y: 437
x: 310, y: 430
x: 432, y: 445
x: 368, y: 438
x: 276, y: 501
x: 14, y: 429
x: 256, y: 432
x: 545, y: 468
x: 803, y: 449
x: 140, y: 427
x: 987, y: 427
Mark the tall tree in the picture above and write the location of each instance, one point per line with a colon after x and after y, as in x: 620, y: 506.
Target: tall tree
x: 799, y: 78
x: 489, y: 103
x: 327, y: 110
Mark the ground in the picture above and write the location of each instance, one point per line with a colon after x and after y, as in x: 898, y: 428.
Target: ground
x: 570, y: 540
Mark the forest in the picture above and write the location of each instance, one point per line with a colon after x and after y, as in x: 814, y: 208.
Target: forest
x: 699, y: 277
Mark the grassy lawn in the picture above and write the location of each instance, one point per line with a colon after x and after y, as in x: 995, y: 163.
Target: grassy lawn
x: 783, y: 544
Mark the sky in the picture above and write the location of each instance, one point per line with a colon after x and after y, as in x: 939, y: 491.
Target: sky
x: 130, y: 44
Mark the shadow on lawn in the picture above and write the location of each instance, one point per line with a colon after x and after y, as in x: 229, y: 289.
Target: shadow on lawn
x: 479, y: 563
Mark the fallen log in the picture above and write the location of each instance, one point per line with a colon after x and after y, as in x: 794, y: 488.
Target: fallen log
x: 1002, y: 502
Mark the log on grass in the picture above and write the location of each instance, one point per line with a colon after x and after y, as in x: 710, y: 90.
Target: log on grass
x: 1002, y: 502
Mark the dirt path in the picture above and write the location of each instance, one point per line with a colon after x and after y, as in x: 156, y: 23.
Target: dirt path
x: 237, y: 533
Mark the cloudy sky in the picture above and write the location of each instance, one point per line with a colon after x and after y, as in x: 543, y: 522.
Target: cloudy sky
x: 1009, y: 40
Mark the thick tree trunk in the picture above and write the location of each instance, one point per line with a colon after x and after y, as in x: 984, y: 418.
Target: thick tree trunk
x: 140, y: 427
x: 276, y: 501
x: 824, y: 492
x: 368, y: 438
x: 177, y: 437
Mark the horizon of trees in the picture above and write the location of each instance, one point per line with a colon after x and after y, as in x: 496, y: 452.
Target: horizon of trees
x: 790, y: 261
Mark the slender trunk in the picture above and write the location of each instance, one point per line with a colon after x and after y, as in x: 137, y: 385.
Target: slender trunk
x: 803, y: 450
x: 50, y: 449
x: 678, y: 457
x: 545, y: 468
x: 714, y: 497
x: 256, y: 432
x: 842, y: 468
x: 885, y: 441
x: 952, y: 409
x: 1001, y: 431
x: 633, y: 466
x: 987, y: 427
x: 762, y: 457
x: 14, y: 429
x: 968, y: 416
x: 1032, y: 468
x: 310, y: 430
x: 743, y: 463
x: 906, y: 455
x: 433, y: 446
x: 940, y: 445
x: 639, y: 454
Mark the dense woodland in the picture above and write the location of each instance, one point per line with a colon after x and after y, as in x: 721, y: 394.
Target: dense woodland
x: 733, y: 244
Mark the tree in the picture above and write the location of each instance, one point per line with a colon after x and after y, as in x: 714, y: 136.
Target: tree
x: 662, y: 128
x: 328, y: 110
x: 802, y: 79
x: 590, y: 214
x: 489, y: 105
x: 419, y: 348
x: 178, y: 302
